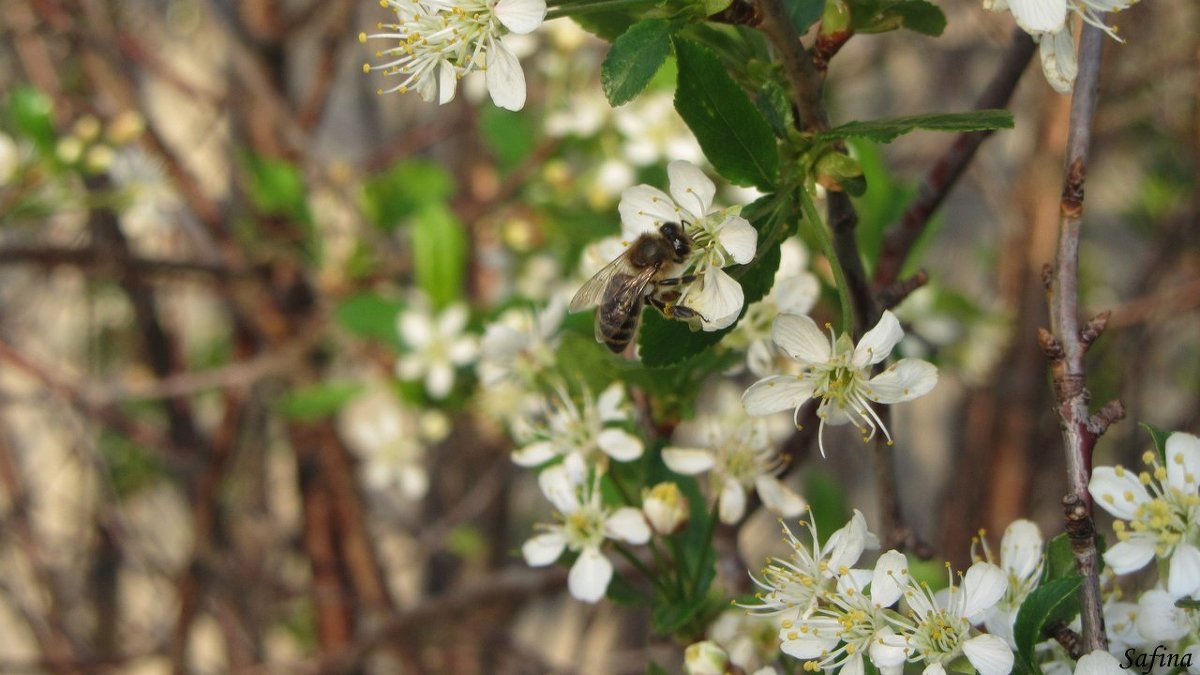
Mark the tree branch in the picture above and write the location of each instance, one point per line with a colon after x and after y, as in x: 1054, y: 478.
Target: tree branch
x: 944, y: 174
x: 1066, y: 345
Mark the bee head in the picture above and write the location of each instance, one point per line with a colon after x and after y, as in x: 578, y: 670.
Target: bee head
x: 673, y: 232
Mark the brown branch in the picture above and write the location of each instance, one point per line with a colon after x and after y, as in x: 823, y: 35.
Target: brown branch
x: 516, y: 583
x: 92, y: 258
x: 1068, y: 345
x: 944, y: 174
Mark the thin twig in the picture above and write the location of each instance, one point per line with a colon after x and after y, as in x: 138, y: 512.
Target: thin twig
x: 1068, y: 344
x: 944, y: 174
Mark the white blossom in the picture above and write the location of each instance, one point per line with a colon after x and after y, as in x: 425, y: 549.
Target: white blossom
x: 794, y: 586
x: 737, y: 452
x: 794, y: 291
x: 839, y: 374
x: 438, y: 42
x: 853, y: 622
x: 520, y: 344
x: 1022, y: 560
x: 389, y: 441
x: 1158, y: 513
x: 653, y: 131
x: 720, y: 238
x: 942, y: 629
x: 584, y: 524
x: 1048, y: 22
x: 436, y: 346
x: 585, y: 435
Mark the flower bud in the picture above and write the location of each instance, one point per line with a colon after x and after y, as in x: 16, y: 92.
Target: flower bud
x: 705, y: 658
x: 666, y: 508
x: 125, y: 127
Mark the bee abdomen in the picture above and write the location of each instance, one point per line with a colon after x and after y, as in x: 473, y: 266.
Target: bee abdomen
x: 617, y: 336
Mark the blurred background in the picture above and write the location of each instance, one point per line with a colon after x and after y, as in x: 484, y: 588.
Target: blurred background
x: 210, y: 224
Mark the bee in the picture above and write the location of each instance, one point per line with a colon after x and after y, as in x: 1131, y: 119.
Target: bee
x: 637, y: 276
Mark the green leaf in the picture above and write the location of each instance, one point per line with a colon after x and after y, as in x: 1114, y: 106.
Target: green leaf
x: 1159, y: 436
x: 439, y: 247
x: 395, y: 194
x: 883, y: 202
x: 653, y: 668
x: 887, y: 130
x: 319, y: 400
x: 370, y: 315
x: 509, y: 135
x: 730, y: 129
x: 1049, y: 603
x: 804, y: 13
x: 665, y: 342
x: 28, y: 111
x: 878, y: 16
x: 1060, y: 561
x: 634, y: 59
x: 277, y: 188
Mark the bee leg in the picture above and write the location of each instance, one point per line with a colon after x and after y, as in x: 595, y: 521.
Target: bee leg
x: 677, y: 281
x: 670, y: 309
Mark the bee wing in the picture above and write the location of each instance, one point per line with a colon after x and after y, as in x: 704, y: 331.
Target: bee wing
x: 592, y: 290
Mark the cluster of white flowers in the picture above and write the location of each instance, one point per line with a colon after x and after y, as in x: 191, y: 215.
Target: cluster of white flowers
x: 438, y: 42
x: 838, y: 617
x: 1158, y: 520
x: 1050, y: 23
x: 390, y: 440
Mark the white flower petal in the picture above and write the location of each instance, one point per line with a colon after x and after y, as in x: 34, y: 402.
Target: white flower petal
x: 1184, y: 575
x: 739, y: 239
x: 1159, y: 619
x: 556, y: 484
x: 903, y: 381
x: 934, y: 669
x: 505, y: 79
x: 983, y: 585
x: 797, y: 294
x: 610, y: 404
x: 1039, y: 16
x: 1130, y: 555
x: 878, y: 342
x: 719, y: 300
x: 1021, y: 549
x: 688, y: 461
x: 890, y: 579
x: 846, y: 546
x: 732, y: 502
x: 1057, y: 53
x: 778, y: 498
x: 800, y: 338
x: 692, y: 190
x: 627, y: 524
x: 447, y: 82
x: 775, y: 393
x: 521, y: 16
x: 888, y: 649
x: 544, y: 549
x: 462, y: 350
x: 439, y: 380
x: 853, y: 666
x: 535, y: 454
x: 1098, y: 662
x: 643, y: 209
x: 410, y: 367
x: 989, y: 654
x: 1117, y: 491
x: 1183, y: 462
x: 589, y: 576
x: 415, y: 328
x: 620, y: 444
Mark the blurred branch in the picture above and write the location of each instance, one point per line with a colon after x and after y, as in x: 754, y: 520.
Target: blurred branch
x: 944, y: 174
x: 518, y: 583
x: 1067, y: 344
x: 93, y: 258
